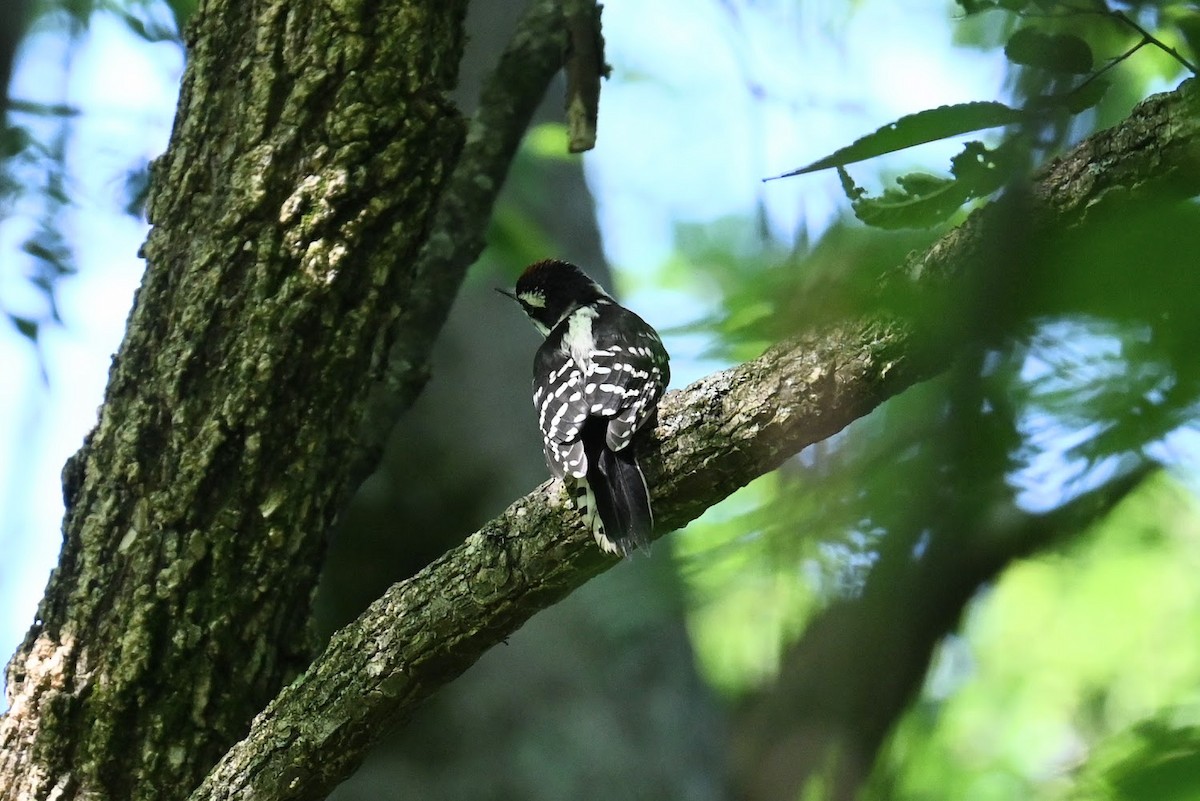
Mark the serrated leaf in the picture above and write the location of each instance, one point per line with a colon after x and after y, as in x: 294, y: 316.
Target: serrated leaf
x: 852, y: 190
x: 895, y: 209
x: 1058, y: 52
x: 918, y: 129
x: 924, y: 200
x: 921, y: 183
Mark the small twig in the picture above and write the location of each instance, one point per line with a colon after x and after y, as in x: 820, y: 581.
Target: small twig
x: 1112, y: 63
x: 1149, y: 38
x: 1119, y: 16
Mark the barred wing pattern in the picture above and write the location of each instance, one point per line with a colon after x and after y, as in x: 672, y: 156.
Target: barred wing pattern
x: 621, y: 382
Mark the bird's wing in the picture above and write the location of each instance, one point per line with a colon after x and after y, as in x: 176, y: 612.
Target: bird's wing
x: 626, y: 380
x: 558, y: 397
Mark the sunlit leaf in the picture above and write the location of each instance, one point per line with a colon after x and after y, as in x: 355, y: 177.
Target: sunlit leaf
x: 907, y: 209
x: 1058, y: 52
x: 918, y: 129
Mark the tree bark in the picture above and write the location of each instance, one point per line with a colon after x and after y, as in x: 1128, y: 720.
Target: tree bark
x: 310, y: 147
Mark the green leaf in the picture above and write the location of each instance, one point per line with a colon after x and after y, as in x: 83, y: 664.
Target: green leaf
x: 1059, y: 52
x: 13, y: 140
x: 923, y: 200
x: 1076, y: 101
x: 905, y: 209
x: 917, y: 129
x: 970, y: 7
x: 921, y: 183
x: 26, y: 327
x: 853, y: 192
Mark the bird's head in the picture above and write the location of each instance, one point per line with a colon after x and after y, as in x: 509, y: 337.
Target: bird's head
x: 550, y: 290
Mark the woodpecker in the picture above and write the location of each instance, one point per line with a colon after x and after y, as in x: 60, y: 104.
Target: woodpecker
x: 597, y: 379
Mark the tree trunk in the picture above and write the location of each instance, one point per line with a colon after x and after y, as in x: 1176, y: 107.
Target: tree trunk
x: 309, y: 150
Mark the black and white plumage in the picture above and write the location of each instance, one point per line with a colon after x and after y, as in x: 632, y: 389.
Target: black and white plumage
x: 597, y: 379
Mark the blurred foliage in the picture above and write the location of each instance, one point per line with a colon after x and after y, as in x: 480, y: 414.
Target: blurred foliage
x: 1154, y: 759
x: 1075, y: 677
x: 547, y: 140
x: 37, y: 137
x: 730, y: 564
x: 1053, y: 44
x: 1075, y: 365
x: 761, y: 293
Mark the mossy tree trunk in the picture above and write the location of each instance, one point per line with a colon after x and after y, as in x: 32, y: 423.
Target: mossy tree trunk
x: 310, y: 147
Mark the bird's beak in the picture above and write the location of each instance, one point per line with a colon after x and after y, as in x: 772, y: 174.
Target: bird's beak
x: 507, y: 294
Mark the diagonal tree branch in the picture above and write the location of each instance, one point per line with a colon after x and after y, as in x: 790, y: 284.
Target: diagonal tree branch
x: 713, y: 436
x: 717, y: 434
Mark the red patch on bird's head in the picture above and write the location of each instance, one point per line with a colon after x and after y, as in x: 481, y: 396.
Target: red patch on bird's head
x: 548, y: 272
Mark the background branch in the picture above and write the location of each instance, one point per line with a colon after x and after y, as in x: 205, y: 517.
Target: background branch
x: 464, y: 210
x: 862, y: 660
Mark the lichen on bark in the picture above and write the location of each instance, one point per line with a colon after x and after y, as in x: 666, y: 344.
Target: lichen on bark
x: 309, y: 150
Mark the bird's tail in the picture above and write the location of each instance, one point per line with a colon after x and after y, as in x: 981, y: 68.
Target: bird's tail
x: 615, y: 500
x: 622, y: 501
